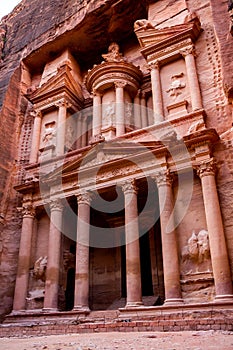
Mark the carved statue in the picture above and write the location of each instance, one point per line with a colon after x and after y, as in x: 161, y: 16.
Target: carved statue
x: 199, y: 125
x: 39, y: 271
x: 128, y: 112
x: 196, y: 254
x: 69, y: 137
x: 49, y: 134
x: 174, y: 89
x: 143, y: 24
x: 113, y: 54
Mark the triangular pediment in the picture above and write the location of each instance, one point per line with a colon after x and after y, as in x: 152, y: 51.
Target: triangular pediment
x: 62, y: 82
x: 100, y: 156
x: 151, y: 36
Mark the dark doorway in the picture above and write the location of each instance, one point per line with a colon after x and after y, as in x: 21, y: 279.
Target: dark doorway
x: 69, y: 294
x: 146, y: 276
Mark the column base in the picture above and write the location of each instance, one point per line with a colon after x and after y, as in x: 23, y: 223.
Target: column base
x: 82, y: 309
x: 132, y: 304
x: 50, y: 309
x: 173, y: 301
x: 225, y: 298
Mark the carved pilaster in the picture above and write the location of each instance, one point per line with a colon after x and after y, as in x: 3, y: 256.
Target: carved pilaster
x: 206, y: 168
x: 129, y: 186
x: 56, y: 205
x: 163, y: 178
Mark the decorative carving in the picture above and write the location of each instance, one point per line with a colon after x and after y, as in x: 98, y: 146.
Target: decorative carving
x: 69, y: 137
x: 39, y: 271
x: 109, y: 114
x: 143, y: 24
x: 129, y: 186
x: 199, y: 125
x: 154, y: 65
x: 113, y: 54
x: 84, y: 197
x: 163, y: 178
x: 28, y: 210
x: 206, y: 168
x: 175, y: 89
x: 196, y: 254
x: 128, y: 112
x: 189, y: 50
x: 56, y: 205
x: 63, y: 103
x: 120, y: 84
x: 49, y: 134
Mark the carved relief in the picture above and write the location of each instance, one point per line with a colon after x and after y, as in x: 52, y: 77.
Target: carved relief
x: 39, y: 271
x: 206, y: 168
x: 113, y: 54
x: 196, y: 254
x: 68, y: 259
x: 70, y: 137
x: 176, y: 86
x: 199, y: 125
x: 143, y: 24
x: 109, y: 118
x: 49, y: 134
x: 129, y: 186
x: 128, y: 112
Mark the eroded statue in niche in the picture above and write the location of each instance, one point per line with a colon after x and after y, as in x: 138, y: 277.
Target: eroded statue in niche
x: 176, y: 86
x: 39, y: 271
x: 196, y: 254
x: 49, y: 134
x: 128, y: 112
x: 69, y: 137
x: 109, y: 114
x: 113, y: 54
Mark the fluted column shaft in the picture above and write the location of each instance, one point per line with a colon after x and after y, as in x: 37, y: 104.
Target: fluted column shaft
x: 171, y: 266
x: 97, y: 113
x: 218, y: 249
x: 54, y: 251
x: 82, y: 254
x: 36, y: 137
x: 194, y: 87
x: 120, y: 108
x: 133, y: 269
x: 156, y: 93
x: 21, y: 285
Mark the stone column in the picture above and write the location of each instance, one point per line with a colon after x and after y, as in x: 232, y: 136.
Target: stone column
x: 143, y: 110
x: 36, y: 137
x: 54, y: 252
x: 120, y: 108
x: 61, y: 126
x: 79, y: 130
x: 81, y: 303
x: 195, y: 93
x: 137, y: 111
x: 156, y: 92
x: 97, y: 113
x: 218, y: 249
x: 84, y: 131
x: 171, y: 266
x: 21, y: 285
x: 133, y: 269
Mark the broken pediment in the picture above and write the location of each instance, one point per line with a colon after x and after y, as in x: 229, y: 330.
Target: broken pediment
x: 152, y: 39
x: 60, y: 84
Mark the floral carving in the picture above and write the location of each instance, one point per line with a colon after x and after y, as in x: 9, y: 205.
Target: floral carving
x: 206, y: 168
x: 84, y: 197
x: 129, y: 186
x: 56, y: 205
x: 163, y: 178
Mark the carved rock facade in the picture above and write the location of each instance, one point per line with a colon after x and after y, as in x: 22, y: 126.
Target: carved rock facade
x: 122, y: 159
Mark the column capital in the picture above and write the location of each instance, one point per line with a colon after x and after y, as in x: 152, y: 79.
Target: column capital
x: 28, y: 211
x: 143, y: 94
x: 95, y: 92
x: 129, y: 186
x: 163, y: 178
x: 189, y: 50
x: 154, y: 65
x: 206, y: 168
x: 120, y: 84
x: 84, y: 197
x: 36, y: 114
x: 56, y: 205
x: 63, y: 103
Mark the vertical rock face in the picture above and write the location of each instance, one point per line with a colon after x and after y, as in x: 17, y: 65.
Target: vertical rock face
x: 34, y: 37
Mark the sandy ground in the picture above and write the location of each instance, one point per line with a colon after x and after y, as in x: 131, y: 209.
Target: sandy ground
x: 202, y: 340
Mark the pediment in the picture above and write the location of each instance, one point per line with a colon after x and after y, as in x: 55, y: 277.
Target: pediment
x: 62, y: 82
x: 149, y: 35
x: 100, y: 156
